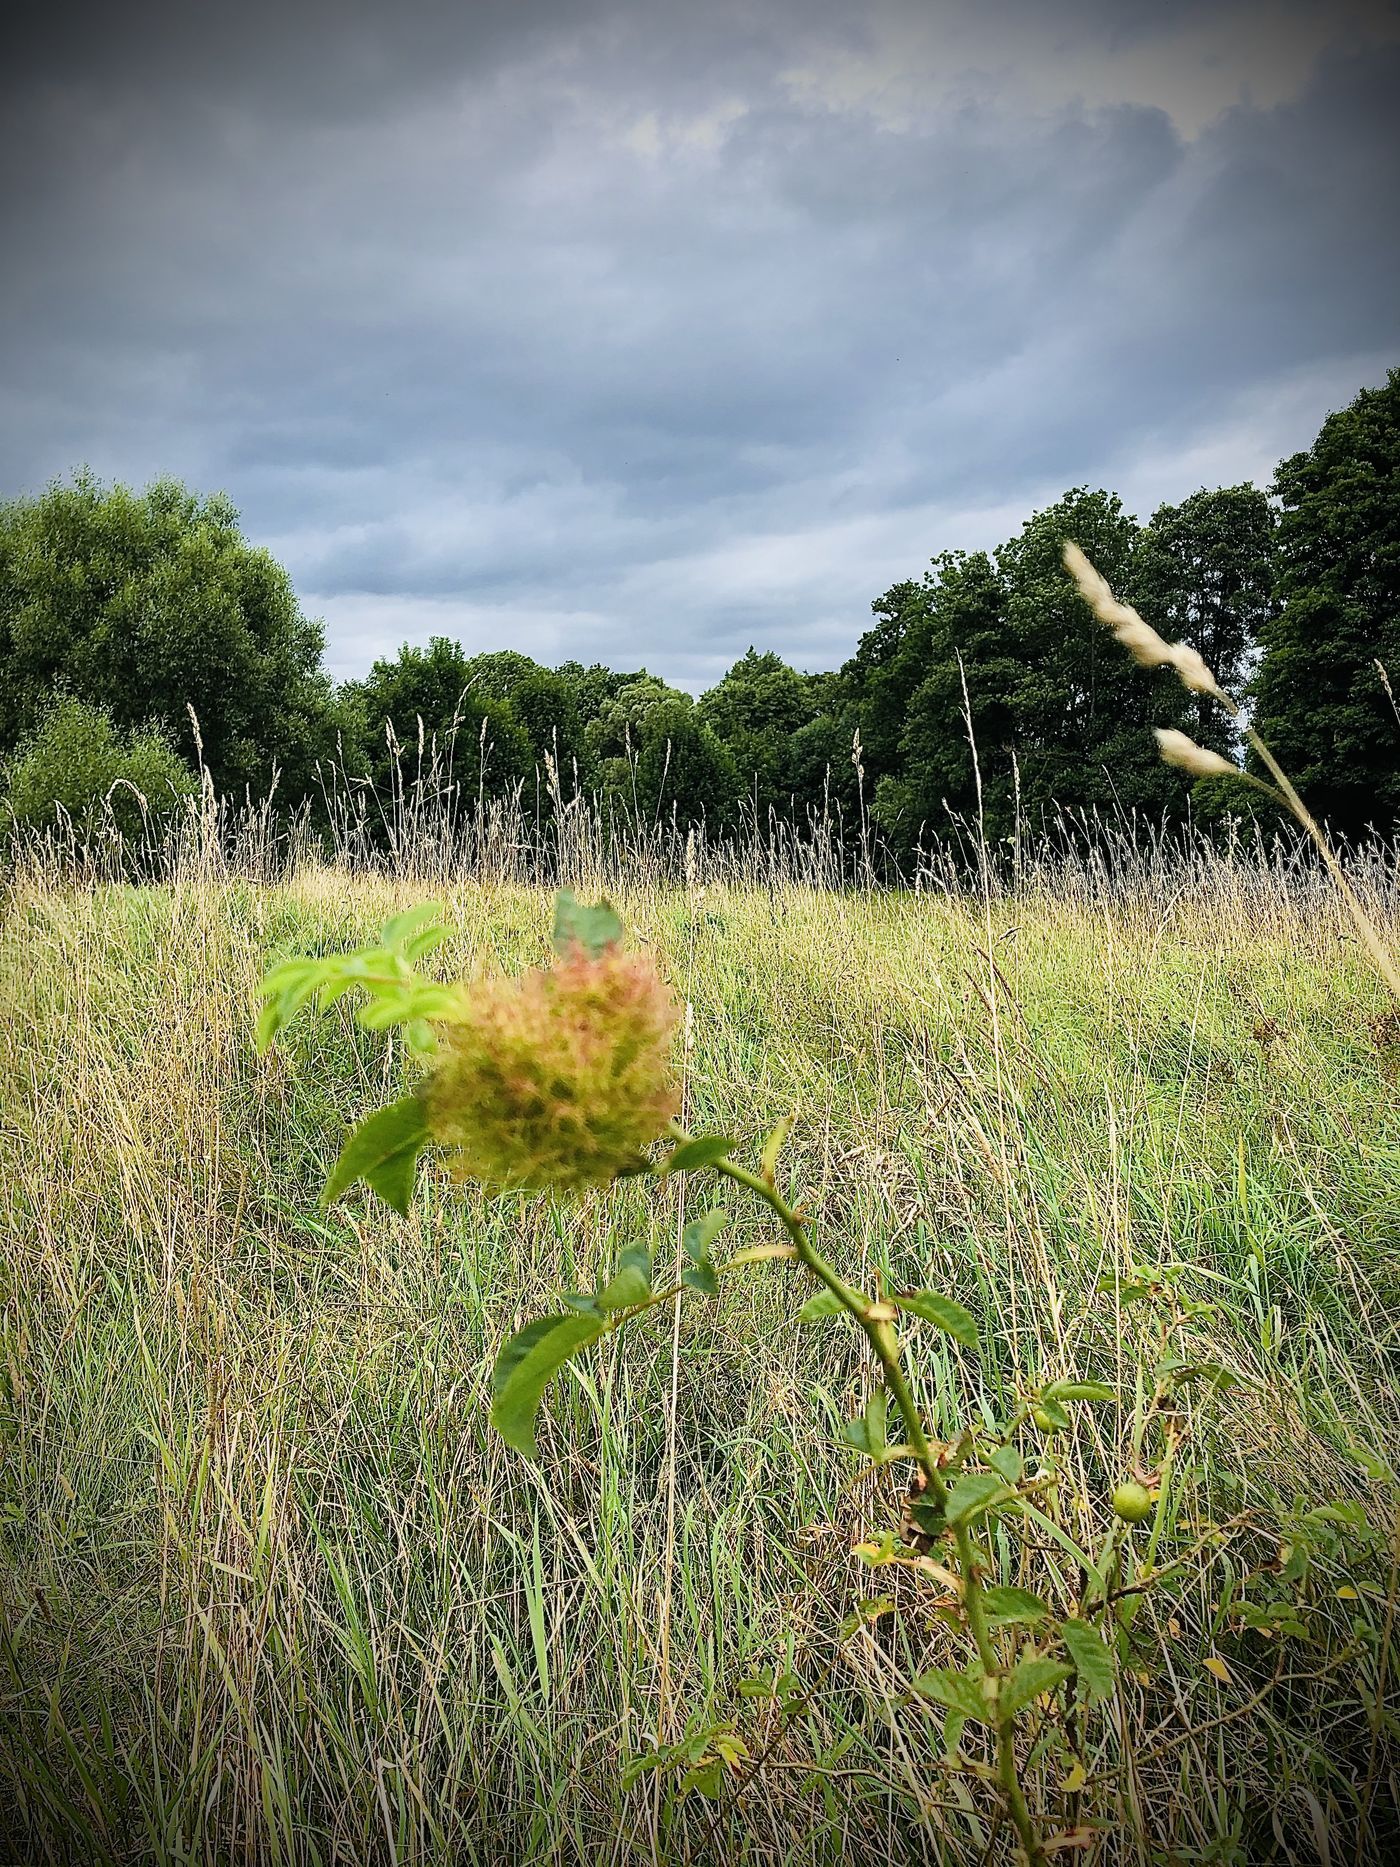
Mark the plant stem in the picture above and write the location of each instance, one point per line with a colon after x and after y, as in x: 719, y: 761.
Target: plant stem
x: 884, y: 1345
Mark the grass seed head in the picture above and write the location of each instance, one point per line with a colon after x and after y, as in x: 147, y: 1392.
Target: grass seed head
x: 1177, y: 749
x: 1139, y: 638
x: 560, y: 1078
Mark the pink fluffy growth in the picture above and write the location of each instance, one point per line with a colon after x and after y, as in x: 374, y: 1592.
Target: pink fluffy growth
x: 560, y: 1078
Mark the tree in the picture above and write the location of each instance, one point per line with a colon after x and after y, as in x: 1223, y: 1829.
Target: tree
x: 546, y: 707
x: 146, y: 604
x: 74, y: 764
x: 1322, y: 701
x: 963, y: 652
x: 882, y: 674
x: 1083, y: 710
x: 496, y: 674
x: 756, y: 710
x: 1204, y: 574
x: 423, y: 702
x: 614, y: 735
x: 684, y: 774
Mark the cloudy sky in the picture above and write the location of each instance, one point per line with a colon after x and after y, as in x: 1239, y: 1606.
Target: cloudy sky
x: 645, y: 331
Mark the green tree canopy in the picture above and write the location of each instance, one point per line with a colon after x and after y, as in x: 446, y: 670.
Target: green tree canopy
x: 684, y: 773
x: 146, y: 604
x: 1322, y: 704
x: 1204, y: 574
x: 1083, y: 709
x: 755, y: 711
x: 424, y: 703
x: 75, y: 765
x: 957, y: 659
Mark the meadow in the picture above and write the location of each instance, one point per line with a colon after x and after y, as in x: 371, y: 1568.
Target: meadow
x: 273, y: 1591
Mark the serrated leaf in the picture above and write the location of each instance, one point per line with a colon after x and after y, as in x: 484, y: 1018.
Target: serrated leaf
x: 402, y: 927
x: 703, y: 1151
x: 943, y: 1313
x: 630, y: 1283
x: 959, y: 1692
x: 383, y: 1151
x: 1079, y: 1390
x: 701, y: 1277
x: 1013, y: 1606
x: 1092, y: 1659
x: 524, y: 1368
x: 869, y: 1434
x: 1008, y: 1461
x: 974, y: 1493
x: 707, y: 1778
x: 817, y: 1308
x: 595, y: 929
x: 699, y: 1236
x: 1026, y: 1681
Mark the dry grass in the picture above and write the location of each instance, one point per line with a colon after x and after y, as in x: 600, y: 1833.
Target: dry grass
x: 271, y: 1591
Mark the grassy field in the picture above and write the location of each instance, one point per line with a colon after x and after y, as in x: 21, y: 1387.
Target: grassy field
x: 272, y: 1591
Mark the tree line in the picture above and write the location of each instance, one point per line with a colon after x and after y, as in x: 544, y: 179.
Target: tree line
x: 984, y: 691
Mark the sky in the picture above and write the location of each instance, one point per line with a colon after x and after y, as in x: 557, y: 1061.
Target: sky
x: 642, y: 331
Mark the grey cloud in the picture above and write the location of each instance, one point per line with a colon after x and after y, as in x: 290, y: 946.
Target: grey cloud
x: 575, y: 317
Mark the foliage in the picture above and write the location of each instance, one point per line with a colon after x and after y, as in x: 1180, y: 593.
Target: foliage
x: 75, y: 764
x: 148, y: 604
x: 1205, y: 574
x: 561, y: 1080
x: 755, y: 712
x: 1321, y: 696
x: 251, y: 1449
x: 423, y: 702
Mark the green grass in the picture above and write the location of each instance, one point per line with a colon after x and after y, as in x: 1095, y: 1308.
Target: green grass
x: 271, y: 1590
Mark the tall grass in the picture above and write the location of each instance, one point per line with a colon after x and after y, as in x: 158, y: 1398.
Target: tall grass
x: 272, y: 1592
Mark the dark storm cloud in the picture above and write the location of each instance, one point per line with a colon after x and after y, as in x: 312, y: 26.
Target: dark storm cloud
x: 648, y: 332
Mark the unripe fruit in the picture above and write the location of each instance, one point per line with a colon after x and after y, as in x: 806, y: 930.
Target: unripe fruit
x: 1045, y: 1421
x: 1132, y: 1502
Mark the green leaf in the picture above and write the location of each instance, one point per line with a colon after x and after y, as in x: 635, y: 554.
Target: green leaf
x: 816, y: 1309
x: 701, y: 1277
x: 630, y: 1283
x: 1012, y: 1605
x: 974, y: 1493
x: 773, y: 1146
x: 869, y: 1434
x: 1008, y: 1461
x: 383, y: 1151
x: 943, y: 1312
x: 703, y: 1151
x: 595, y: 929
x: 524, y: 1368
x: 428, y: 941
x: 700, y: 1234
x: 962, y: 1693
x: 398, y: 931
x: 1079, y: 1390
x: 707, y: 1777
x: 1027, y: 1680
x: 1092, y: 1659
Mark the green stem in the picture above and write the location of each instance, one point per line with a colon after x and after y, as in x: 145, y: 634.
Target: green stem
x: 884, y: 1344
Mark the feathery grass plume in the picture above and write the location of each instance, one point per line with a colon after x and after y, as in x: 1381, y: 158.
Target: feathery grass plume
x: 1177, y: 749
x: 1138, y: 637
x: 560, y: 1078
